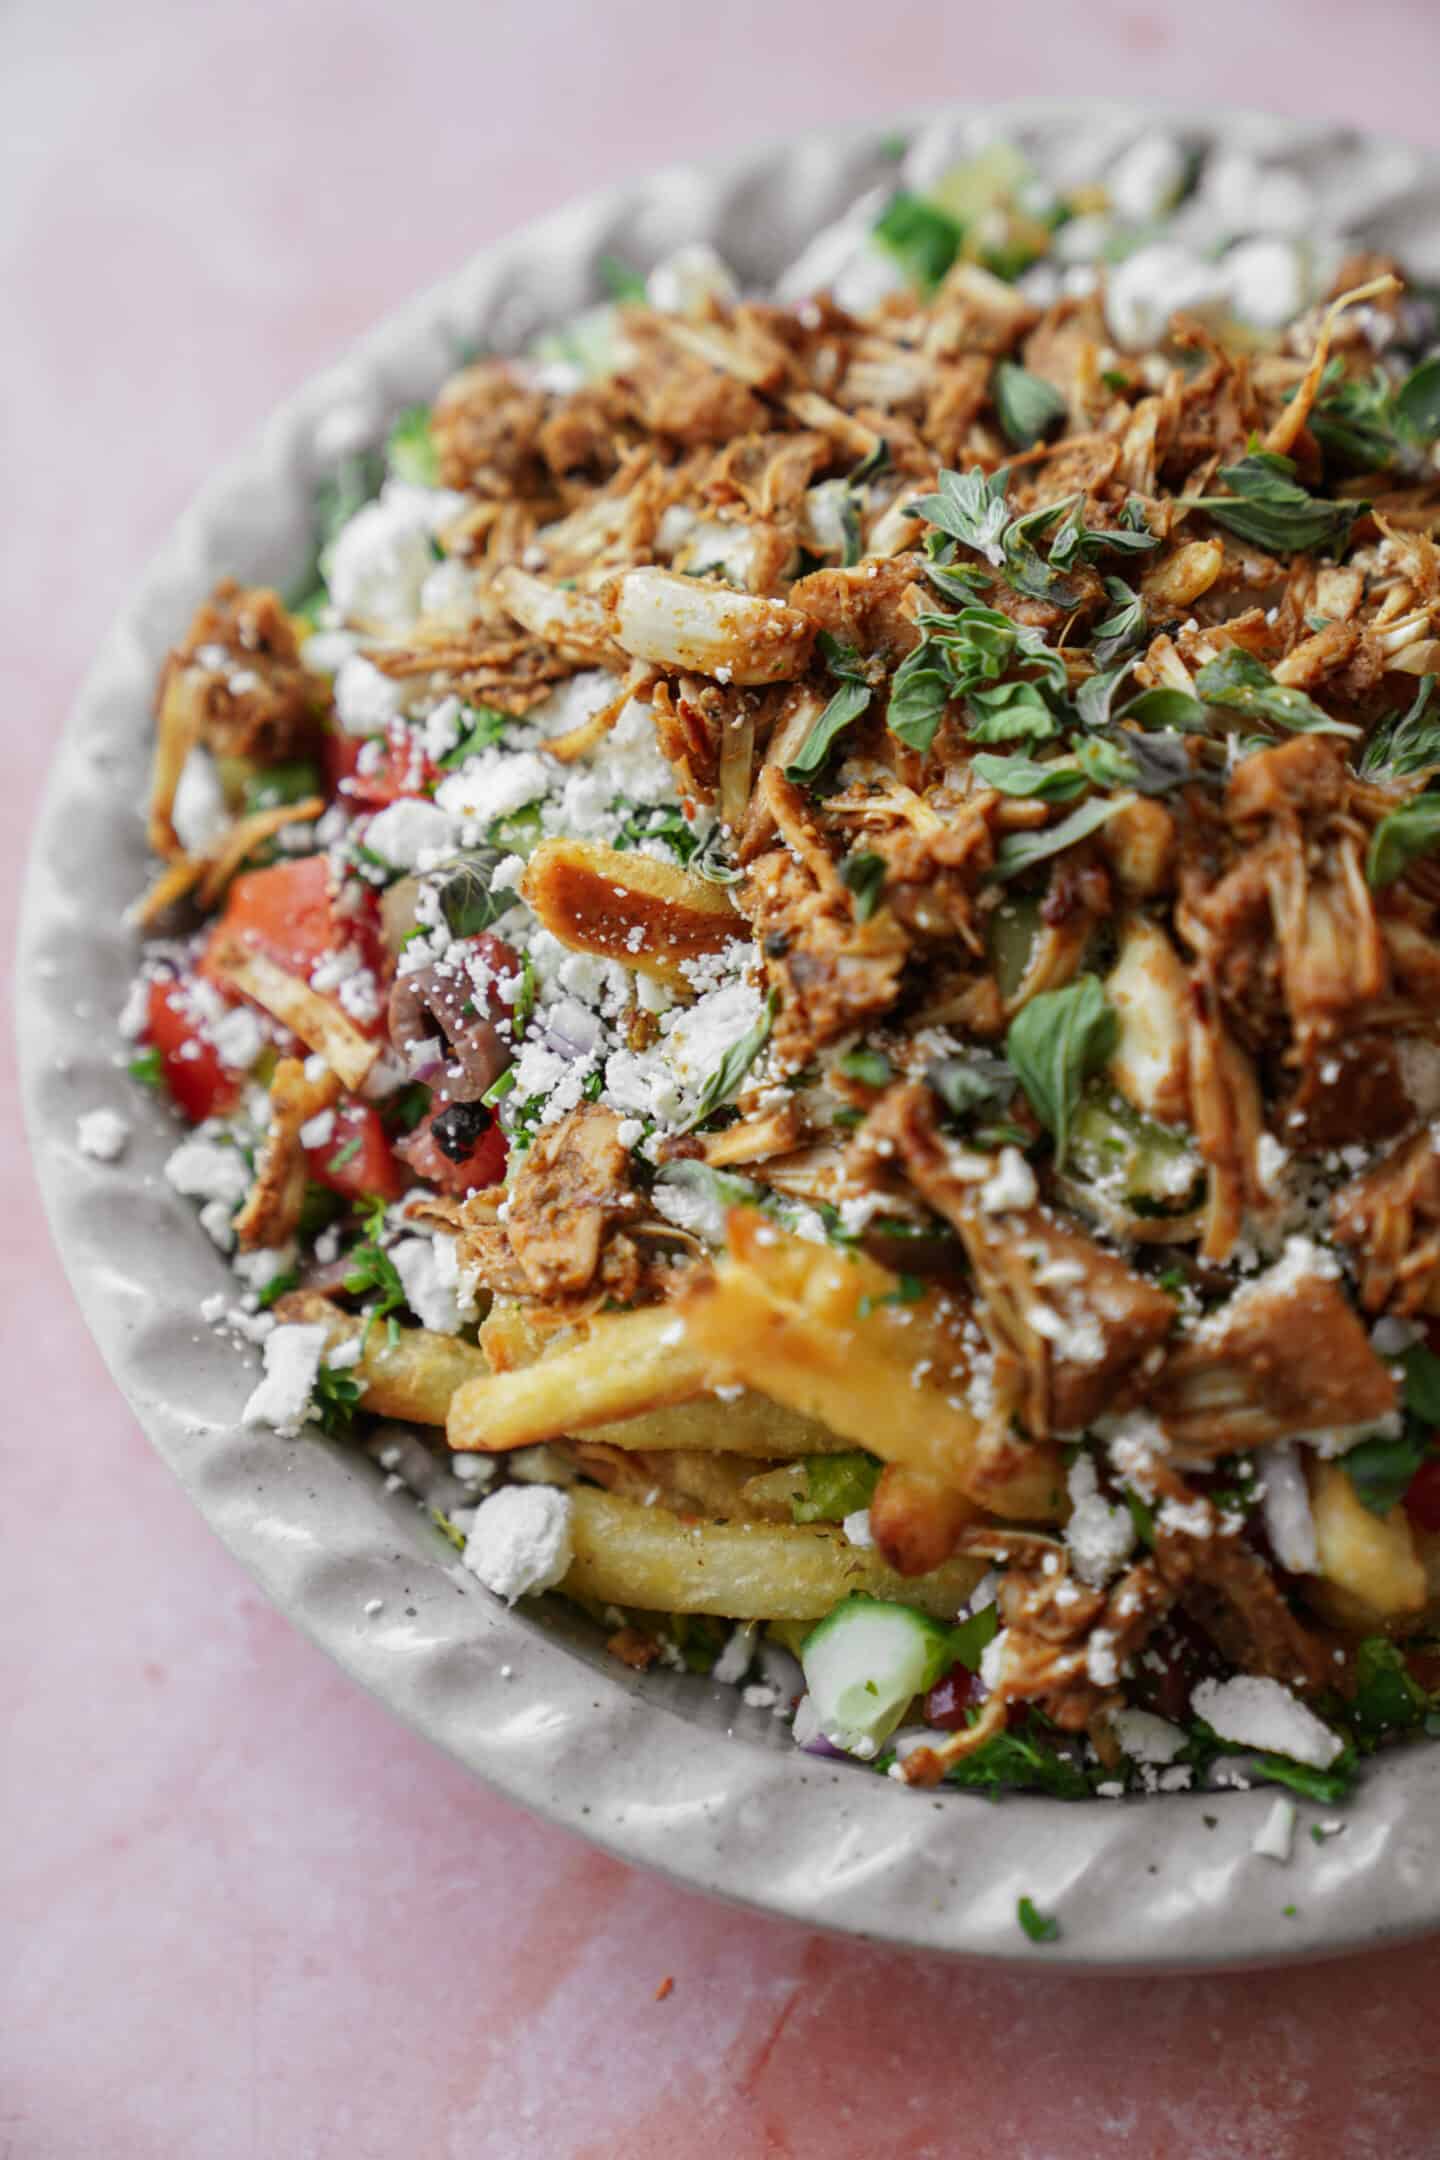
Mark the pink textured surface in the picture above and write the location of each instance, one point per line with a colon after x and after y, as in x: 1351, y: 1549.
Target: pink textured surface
x: 242, y: 1913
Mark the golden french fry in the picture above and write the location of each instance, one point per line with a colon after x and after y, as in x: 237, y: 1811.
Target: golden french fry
x: 915, y: 1520
x: 1370, y: 1571
x: 414, y: 1377
x: 739, y: 1423
x: 627, y: 1554
x: 837, y: 1338
x: 648, y: 915
x: 630, y: 1362
x: 319, y: 1023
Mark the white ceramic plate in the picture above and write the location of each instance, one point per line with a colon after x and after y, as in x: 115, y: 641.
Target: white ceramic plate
x: 663, y: 1770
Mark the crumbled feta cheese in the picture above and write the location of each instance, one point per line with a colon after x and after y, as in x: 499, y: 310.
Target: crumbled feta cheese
x: 1011, y: 1186
x: 203, y: 1170
x: 429, y: 1296
x: 378, y: 563
x: 1259, y: 1713
x: 857, y: 1530
x: 259, y: 1269
x: 449, y: 594
x: 1265, y: 280
x: 1276, y: 1834
x: 292, y: 1360
x: 365, y: 700
x: 519, y: 1542
x: 737, y: 1656
x: 198, y: 812
x: 1144, y: 291
x: 101, y: 1134
x: 686, y: 280
x: 1100, y: 1537
x: 493, y: 784
x: 1101, y: 1662
x: 407, y: 832
x: 1285, y: 1509
x: 992, y: 1660
x: 443, y: 729
x: 317, y: 1131
x: 1147, y: 1738
x: 238, y: 1038
x: 1146, y: 178
x: 217, y: 1221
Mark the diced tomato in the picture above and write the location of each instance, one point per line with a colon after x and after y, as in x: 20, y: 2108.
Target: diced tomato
x: 283, y: 912
x: 1422, y: 1500
x: 197, y: 1080
x: 484, y: 1165
x: 402, y: 769
x: 357, y: 1157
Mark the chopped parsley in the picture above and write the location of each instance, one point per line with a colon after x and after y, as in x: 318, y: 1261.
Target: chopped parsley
x: 1040, y: 1927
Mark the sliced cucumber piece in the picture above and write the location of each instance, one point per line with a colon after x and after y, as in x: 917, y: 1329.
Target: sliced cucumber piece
x: 1010, y: 933
x: 864, y: 1665
x: 1136, y: 1163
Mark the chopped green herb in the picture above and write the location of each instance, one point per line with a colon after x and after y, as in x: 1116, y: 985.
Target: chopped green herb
x: 1267, y: 505
x: 1040, y: 1927
x: 148, y: 1067
x: 1011, y: 712
x: 909, y: 1290
x: 333, y: 1399
x: 972, y: 509
x: 1019, y: 852
x: 467, y: 900
x: 870, y: 1067
x: 1387, y: 1699
x: 842, y: 711
x: 1243, y: 684
x: 1380, y: 1469
x: 1170, y: 709
x: 482, y: 727
x: 1417, y: 401
x: 1122, y: 629
x: 919, y: 692
x: 724, y: 1082
x: 290, y: 782
x: 343, y: 1155
x: 977, y: 1080
x: 410, y: 450
x: 1055, y: 1044
x: 923, y: 239
x: 971, y: 1638
x: 621, y: 281
x: 1408, y: 743
x: 1403, y: 838
x: 1024, y: 776
x: 1027, y: 405
x: 863, y: 876
x: 277, y: 1287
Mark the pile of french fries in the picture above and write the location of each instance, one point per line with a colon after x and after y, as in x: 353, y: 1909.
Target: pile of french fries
x: 787, y: 1350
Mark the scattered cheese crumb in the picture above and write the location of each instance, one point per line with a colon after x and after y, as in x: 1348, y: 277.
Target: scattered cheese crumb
x: 1276, y: 1834
x: 1259, y: 1713
x: 292, y: 1361
x: 102, y: 1134
x: 519, y: 1543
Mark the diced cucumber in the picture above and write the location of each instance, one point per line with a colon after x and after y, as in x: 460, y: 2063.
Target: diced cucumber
x: 864, y: 1665
x: 1137, y: 1163
x: 1010, y: 934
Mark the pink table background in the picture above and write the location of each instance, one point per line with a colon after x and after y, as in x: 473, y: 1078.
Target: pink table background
x: 242, y: 1913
